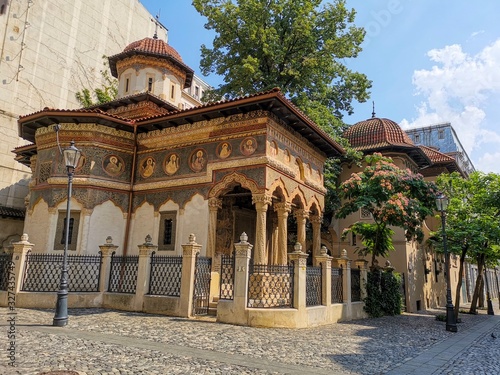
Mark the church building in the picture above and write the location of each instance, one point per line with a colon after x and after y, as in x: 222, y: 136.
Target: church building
x: 157, y: 163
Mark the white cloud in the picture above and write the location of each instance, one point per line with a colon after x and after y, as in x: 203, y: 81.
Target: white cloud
x: 488, y: 162
x: 457, y: 89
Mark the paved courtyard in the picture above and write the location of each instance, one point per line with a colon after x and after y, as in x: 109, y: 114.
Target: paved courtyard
x: 99, y: 341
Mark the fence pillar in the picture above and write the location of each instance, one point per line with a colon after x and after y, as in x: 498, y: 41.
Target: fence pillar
x: 325, y: 261
x: 299, y: 260
x: 143, y: 271
x: 20, y: 249
x: 345, y: 263
x: 363, y: 276
x: 189, y: 253
x: 242, y: 254
x: 106, y: 250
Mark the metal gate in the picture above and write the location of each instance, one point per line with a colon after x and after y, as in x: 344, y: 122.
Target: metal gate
x: 201, y: 293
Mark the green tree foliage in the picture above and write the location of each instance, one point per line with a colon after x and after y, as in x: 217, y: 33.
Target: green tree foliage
x: 298, y: 46
x: 393, y: 196
x: 472, y: 228
x: 106, y: 93
x: 383, y: 293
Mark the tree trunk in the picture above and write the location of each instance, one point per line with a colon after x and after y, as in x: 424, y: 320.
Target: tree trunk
x: 460, y: 278
x: 477, y: 289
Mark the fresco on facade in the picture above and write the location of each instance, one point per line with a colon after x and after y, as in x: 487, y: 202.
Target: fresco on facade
x: 171, y: 165
x: 113, y: 165
x: 248, y: 146
x: 198, y: 160
x: 224, y: 150
x: 147, y: 167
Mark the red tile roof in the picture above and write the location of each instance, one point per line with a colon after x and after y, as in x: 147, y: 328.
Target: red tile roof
x: 151, y: 45
x: 377, y: 133
x: 437, y: 157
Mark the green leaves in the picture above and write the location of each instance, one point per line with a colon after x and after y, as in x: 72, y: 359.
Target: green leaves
x: 393, y: 196
x: 298, y: 46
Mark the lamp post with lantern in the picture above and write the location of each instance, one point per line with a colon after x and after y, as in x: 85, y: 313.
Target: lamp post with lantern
x: 451, y: 323
x: 71, y: 159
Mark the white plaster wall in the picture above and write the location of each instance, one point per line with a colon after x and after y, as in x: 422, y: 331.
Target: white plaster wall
x: 169, y: 206
x: 195, y: 220
x: 106, y: 220
x: 143, y: 223
x: 38, y: 224
x: 49, y: 50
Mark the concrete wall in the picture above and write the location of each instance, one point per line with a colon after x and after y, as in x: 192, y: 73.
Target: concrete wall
x: 49, y: 50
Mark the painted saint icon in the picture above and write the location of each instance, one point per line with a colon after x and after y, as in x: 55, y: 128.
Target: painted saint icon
x: 171, y: 164
x: 248, y: 146
x: 224, y: 150
x: 147, y: 167
x: 113, y: 165
x: 198, y: 160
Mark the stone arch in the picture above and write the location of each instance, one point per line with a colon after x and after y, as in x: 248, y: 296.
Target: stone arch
x: 230, y: 181
x: 298, y: 198
x: 278, y: 187
x: 314, y: 206
x: 169, y: 199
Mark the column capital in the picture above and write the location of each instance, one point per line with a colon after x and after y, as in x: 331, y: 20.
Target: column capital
x: 316, y: 219
x: 191, y: 248
x: 301, y: 214
x: 214, y: 204
x: 361, y: 264
x: 261, y: 201
x: 282, y: 207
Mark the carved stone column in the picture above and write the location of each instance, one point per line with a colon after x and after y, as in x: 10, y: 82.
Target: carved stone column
x: 299, y: 261
x: 214, y: 204
x: 189, y: 252
x: 261, y: 202
x: 301, y: 217
x: 316, y: 221
x: 282, y: 209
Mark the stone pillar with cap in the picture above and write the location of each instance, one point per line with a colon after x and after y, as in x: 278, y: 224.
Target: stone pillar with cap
x: 345, y: 263
x: 362, y: 264
x: 189, y: 253
x: 299, y: 261
x: 325, y: 261
x: 20, y: 250
x: 106, y: 251
x: 143, y: 270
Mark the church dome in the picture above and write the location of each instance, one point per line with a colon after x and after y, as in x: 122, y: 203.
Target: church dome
x: 377, y: 133
x: 153, y: 46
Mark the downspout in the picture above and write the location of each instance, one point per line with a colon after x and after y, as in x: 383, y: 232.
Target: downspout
x: 130, y: 195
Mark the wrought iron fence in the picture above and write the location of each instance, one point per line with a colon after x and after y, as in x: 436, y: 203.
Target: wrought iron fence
x: 227, y: 277
x: 313, y: 285
x: 165, y: 276
x: 201, y: 292
x: 337, y: 286
x: 123, y: 274
x: 355, y: 285
x: 42, y: 272
x: 5, y: 267
x: 270, y: 286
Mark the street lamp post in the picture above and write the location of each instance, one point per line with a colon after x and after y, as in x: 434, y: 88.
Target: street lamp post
x: 451, y: 323
x: 71, y: 159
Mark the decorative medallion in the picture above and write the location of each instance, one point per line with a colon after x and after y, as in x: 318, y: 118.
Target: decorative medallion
x: 224, y: 150
x: 147, y: 167
x: 171, y: 164
x: 198, y: 160
x: 113, y: 165
x: 248, y: 146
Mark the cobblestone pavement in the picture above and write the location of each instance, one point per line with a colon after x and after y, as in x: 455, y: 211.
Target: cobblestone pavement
x: 100, y: 341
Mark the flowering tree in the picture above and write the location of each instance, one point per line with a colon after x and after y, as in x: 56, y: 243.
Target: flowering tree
x: 393, y: 196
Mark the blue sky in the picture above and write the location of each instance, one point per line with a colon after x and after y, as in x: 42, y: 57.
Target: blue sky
x: 430, y: 62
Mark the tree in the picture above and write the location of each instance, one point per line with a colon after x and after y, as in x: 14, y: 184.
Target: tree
x: 298, y: 46
x: 393, y: 196
x: 106, y: 93
x: 472, y: 227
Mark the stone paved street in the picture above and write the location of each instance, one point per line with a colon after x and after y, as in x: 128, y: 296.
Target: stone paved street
x: 99, y: 341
